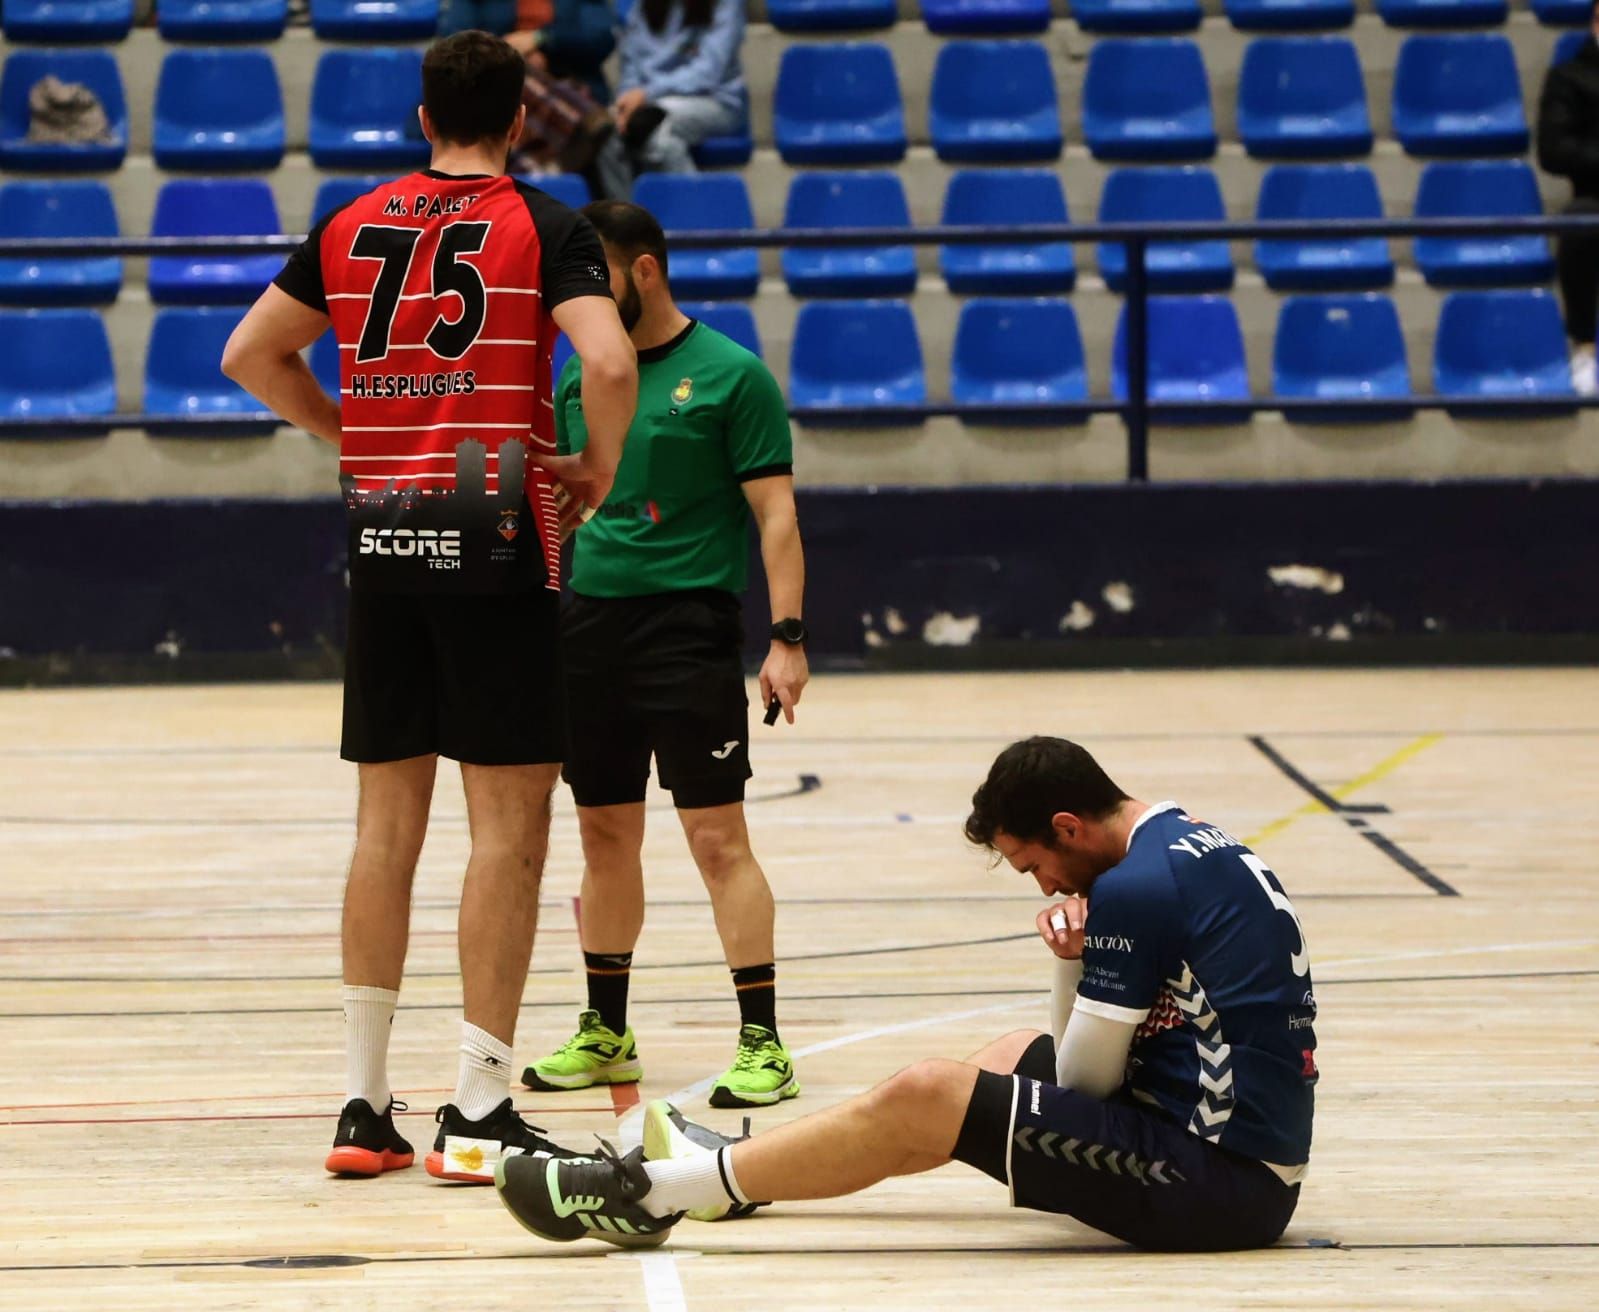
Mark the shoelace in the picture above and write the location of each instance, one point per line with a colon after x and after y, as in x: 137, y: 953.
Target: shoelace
x: 395, y: 1105
x: 750, y: 1043
x: 585, y: 1027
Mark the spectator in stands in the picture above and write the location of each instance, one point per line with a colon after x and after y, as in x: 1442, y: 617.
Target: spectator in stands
x: 496, y: 16
x: 569, y: 40
x: 1568, y: 145
x: 565, y: 44
x: 682, y: 81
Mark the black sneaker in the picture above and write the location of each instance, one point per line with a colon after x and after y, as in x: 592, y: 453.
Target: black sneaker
x: 367, y: 1143
x: 583, y: 1197
x: 469, y: 1150
x: 668, y: 1134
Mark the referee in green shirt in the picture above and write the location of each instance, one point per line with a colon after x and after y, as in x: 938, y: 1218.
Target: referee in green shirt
x: 652, y: 646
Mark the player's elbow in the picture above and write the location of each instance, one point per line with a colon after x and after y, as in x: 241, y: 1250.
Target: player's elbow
x: 239, y: 360
x: 613, y: 368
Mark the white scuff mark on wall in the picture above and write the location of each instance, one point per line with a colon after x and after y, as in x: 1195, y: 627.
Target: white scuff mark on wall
x: 946, y: 630
x: 1339, y: 632
x: 1311, y: 577
x: 874, y: 638
x: 171, y: 646
x: 1078, y: 618
x: 894, y: 622
x: 1118, y: 596
x: 1430, y: 624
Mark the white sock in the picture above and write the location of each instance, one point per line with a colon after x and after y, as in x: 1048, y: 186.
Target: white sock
x: 485, y: 1078
x: 368, y: 1018
x: 683, y: 1184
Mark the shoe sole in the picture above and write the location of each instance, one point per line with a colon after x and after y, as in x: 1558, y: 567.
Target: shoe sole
x: 619, y: 1240
x: 627, y: 1072
x: 365, y: 1162
x: 722, y: 1096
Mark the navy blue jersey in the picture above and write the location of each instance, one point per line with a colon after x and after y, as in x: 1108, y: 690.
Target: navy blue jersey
x: 1192, y: 939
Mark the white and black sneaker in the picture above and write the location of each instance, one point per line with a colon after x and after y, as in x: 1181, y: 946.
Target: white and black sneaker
x: 468, y: 1151
x: 668, y: 1134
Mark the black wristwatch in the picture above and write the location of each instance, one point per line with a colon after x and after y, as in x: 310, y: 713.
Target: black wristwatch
x: 791, y: 631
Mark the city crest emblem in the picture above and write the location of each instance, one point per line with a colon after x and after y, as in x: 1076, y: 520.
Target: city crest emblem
x: 684, y: 391
x: 508, y: 525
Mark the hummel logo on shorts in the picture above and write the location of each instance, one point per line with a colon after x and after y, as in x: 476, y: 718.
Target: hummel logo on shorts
x: 727, y: 750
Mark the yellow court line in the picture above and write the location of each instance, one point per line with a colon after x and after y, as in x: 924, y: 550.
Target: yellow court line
x: 1381, y: 770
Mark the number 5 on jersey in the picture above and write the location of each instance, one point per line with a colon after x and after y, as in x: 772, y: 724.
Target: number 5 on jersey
x: 1300, y: 959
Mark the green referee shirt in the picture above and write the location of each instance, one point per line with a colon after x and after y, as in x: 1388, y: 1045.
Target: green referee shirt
x: 710, y: 418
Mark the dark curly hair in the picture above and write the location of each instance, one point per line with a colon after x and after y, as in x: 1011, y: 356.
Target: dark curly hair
x: 1032, y: 781
x: 472, y: 86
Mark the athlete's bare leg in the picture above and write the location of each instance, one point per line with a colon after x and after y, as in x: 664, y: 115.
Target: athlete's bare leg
x: 741, y: 899
x: 391, y: 820
x: 613, y: 876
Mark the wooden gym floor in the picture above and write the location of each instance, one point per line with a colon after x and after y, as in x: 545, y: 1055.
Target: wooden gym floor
x: 170, y: 872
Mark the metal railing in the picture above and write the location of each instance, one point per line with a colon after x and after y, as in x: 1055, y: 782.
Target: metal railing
x: 1137, y: 411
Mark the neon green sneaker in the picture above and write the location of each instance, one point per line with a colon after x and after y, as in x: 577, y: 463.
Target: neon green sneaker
x: 761, y: 1075
x: 668, y: 1135
x: 596, y: 1054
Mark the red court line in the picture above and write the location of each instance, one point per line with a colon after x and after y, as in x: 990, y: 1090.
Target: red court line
x: 624, y: 1097
x: 187, y: 1102
x: 266, y: 1116
x: 137, y: 940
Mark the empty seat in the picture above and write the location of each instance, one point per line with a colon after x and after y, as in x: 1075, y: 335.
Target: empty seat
x: 1136, y: 15
x: 95, y: 69
x: 1487, y: 188
x: 994, y: 100
x: 1006, y: 196
x: 695, y: 202
x: 1196, y: 353
x: 1182, y: 194
x: 1322, y: 191
x: 1443, y: 13
x: 568, y: 188
x: 222, y: 20
x: 218, y: 109
x: 374, y: 20
x: 985, y: 17
x: 1505, y: 343
x: 56, y: 365
x: 731, y: 150
x: 830, y: 15
x: 213, y: 207
x: 848, y: 200
x: 183, y: 371
x: 1566, y: 47
x: 1303, y: 98
x: 1458, y: 95
x: 68, y: 20
x: 838, y: 104
x: 855, y: 355
x: 560, y: 355
x: 363, y: 110
x: 1009, y: 351
x: 1562, y: 13
x: 334, y: 193
x: 1148, y: 99
x: 734, y: 320
x: 1289, y: 15
x: 1341, y: 347
x: 58, y: 210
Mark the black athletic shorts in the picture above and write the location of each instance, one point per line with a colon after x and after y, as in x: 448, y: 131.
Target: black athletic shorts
x: 1118, y: 1165
x: 661, y: 675
x: 475, y: 677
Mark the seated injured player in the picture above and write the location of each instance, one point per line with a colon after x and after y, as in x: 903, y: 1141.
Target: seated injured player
x: 1171, y: 1106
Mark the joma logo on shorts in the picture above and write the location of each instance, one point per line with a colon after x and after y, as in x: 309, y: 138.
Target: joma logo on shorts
x: 443, y: 546
x: 1108, y: 942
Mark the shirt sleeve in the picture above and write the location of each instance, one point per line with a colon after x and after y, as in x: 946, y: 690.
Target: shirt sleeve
x: 1127, y: 944
x: 573, y: 263
x: 301, y: 277
x: 759, y: 442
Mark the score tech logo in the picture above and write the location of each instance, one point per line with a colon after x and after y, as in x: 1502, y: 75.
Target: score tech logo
x: 440, y: 547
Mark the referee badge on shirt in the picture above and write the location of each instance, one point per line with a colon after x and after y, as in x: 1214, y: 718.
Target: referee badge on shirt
x: 683, y: 393
x: 509, y: 527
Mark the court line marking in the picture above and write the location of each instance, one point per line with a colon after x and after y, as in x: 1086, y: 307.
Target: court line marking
x: 263, y: 1116
x: 1424, y: 954
x: 1381, y: 770
x: 663, y: 1286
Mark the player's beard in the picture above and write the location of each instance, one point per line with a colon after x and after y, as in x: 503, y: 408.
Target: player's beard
x: 630, y: 307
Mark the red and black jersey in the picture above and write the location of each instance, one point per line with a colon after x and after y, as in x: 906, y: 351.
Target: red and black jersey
x: 440, y: 290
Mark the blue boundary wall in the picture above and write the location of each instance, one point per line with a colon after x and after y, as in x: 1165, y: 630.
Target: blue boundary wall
x: 898, y: 578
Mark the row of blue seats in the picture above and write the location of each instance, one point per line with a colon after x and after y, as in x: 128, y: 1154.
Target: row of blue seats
x: 264, y: 20
x: 991, y: 101
x: 832, y: 200
x: 853, y: 356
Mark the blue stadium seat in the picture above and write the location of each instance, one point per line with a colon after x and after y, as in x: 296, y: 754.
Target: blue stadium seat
x: 213, y: 207
x: 1196, y: 353
x: 568, y: 188
x: 57, y: 364
x: 325, y: 362
x: 1458, y: 95
x: 1443, y: 13
x: 374, y: 20
x: 1006, y: 196
x: 985, y: 17
x: 363, y: 110
x: 183, y: 371
x: 222, y: 20
x: 730, y: 151
x: 830, y: 15
x: 838, y: 104
x: 335, y: 192
x: 855, y: 355
x: 1322, y: 191
x: 58, y: 209
x: 558, y: 358
x: 697, y: 202
x: 1562, y: 13
x: 1566, y: 47
x: 853, y: 199
x: 1148, y: 99
x: 735, y: 320
x: 1341, y: 347
x: 1486, y: 188
x: 994, y: 101
x: 1289, y: 15
x: 1137, y: 15
x: 68, y: 20
x: 96, y: 69
x: 1017, y: 350
x: 1505, y: 343
x: 1185, y: 193
x: 1303, y: 98
x: 218, y: 109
